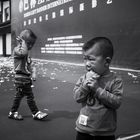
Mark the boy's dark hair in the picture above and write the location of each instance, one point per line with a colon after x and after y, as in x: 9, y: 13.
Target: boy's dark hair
x: 28, y: 36
x: 105, y: 44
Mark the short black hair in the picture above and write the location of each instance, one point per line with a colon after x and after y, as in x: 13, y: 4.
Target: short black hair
x: 28, y: 35
x: 105, y: 44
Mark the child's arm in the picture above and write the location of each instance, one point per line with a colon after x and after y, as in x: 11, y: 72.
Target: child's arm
x: 81, y: 90
x: 21, y: 50
x: 113, y: 98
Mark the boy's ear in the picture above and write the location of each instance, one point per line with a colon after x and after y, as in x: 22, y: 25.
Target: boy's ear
x: 108, y: 61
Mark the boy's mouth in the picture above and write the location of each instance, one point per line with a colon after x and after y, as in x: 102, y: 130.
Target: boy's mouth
x: 91, y: 69
x: 88, y: 68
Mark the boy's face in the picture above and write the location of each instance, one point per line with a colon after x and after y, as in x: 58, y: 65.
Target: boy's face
x: 94, y: 60
x: 27, y: 44
x: 30, y: 43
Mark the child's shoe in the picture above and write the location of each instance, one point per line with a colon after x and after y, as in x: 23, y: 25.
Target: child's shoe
x: 15, y: 116
x: 40, y: 115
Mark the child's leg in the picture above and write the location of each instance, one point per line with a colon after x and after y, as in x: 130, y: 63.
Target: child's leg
x: 17, y: 99
x: 83, y: 136
x: 30, y: 99
x: 37, y: 115
x: 13, y: 114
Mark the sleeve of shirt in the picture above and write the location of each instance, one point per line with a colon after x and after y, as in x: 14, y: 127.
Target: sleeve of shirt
x: 80, y: 91
x: 113, y: 98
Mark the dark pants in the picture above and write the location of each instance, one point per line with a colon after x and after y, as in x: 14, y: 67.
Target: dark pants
x: 24, y: 90
x: 84, y: 136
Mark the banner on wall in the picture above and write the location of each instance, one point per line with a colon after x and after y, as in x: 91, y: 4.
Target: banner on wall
x: 63, y: 26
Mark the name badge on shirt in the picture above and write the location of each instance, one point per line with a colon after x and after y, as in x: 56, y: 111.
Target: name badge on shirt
x: 83, y: 120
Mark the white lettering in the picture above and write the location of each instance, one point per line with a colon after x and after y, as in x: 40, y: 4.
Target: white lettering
x: 41, y: 1
x: 70, y: 10
x: 94, y: 3
x: 62, y: 12
x: 81, y: 7
x: 53, y: 15
x: 34, y: 20
x: 26, y: 5
x: 43, y: 8
x: 24, y: 23
x: 32, y: 3
x: 109, y: 1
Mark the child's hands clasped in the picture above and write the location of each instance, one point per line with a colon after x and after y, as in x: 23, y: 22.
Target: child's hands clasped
x: 92, y: 80
x: 93, y: 84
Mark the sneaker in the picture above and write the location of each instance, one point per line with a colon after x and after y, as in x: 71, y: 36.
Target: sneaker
x: 40, y: 115
x: 15, y: 116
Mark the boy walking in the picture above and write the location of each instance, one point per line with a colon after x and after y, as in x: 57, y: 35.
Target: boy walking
x: 24, y: 75
x: 99, y: 91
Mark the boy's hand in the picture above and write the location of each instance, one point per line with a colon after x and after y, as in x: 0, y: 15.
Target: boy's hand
x: 21, y: 49
x: 22, y: 43
x: 93, y: 84
x: 92, y: 74
x: 92, y: 80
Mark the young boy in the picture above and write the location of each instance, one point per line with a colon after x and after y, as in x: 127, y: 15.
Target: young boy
x: 99, y: 91
x: 23, y: 76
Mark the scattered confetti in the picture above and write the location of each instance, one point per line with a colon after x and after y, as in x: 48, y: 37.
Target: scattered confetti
x: 52, y: 71
x: 55, y: 87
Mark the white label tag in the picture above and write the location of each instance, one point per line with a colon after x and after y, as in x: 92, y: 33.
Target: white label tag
x: 83, y: 120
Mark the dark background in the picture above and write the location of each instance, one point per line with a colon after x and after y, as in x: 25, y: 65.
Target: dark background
x: 119, y: 21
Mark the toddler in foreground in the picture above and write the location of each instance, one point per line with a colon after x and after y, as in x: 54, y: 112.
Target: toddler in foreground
x: 99, y: 91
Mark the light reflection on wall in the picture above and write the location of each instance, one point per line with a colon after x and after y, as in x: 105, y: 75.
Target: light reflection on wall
x: 63, y: 45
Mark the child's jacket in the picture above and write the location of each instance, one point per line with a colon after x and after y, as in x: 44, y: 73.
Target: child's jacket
x: 99, y: 117
x: 22, y: 65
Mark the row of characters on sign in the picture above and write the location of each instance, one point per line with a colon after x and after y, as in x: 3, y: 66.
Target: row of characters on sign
x: 32, y: 3
x: 26, y: 4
